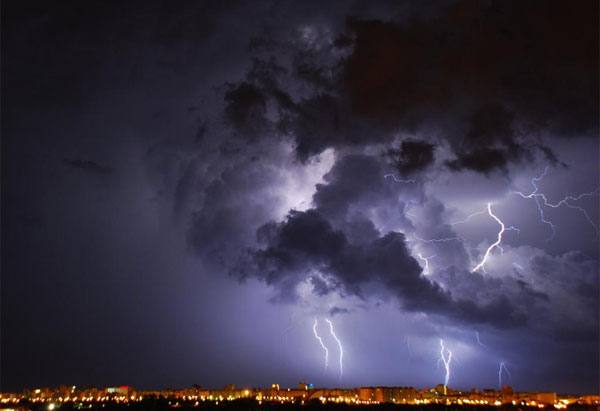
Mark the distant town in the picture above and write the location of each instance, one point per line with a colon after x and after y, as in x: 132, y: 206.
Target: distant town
x: 275, y: 397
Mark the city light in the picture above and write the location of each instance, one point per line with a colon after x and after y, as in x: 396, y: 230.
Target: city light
x: 302, y: 394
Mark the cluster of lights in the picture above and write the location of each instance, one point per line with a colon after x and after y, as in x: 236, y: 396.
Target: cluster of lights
x: 360, y: 396
x: 347, y: 400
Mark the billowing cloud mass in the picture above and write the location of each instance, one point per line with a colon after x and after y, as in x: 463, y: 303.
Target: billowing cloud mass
x: 470, y: 82
x: 337, y: 161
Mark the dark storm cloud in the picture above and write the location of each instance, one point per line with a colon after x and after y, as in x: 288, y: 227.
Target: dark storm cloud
x: 482, y: 72
x: 88, y: 166
x: 541, y: 295
x: 246, y: 108
x: 315, y: 120
x: 570, y: 277
x: 214, y: 114
x: 338, y: 311
x: 81, y: 46
x: 355, y: 190
x: 354, y: 178
x: 306, y: 242
x: 337, y: 248
x: 551, y: 156
x: 475, y: 54
x: 489, y: 143
x: 412, y: 156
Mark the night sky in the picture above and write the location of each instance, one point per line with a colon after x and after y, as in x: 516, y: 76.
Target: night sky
x: 188, y: 186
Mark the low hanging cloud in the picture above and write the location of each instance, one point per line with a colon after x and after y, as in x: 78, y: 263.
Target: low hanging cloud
x: 306, y: 243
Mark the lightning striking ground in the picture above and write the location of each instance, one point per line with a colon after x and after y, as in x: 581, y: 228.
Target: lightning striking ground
x: 446, y: 358
x: 503, y: 228
x: 339, y: 343
x: 502, y: 367
x: 541, y: 201
x: 314, y: 328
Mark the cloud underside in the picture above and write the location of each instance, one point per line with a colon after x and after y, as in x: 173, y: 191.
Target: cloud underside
x: 306, y: 243
x: 488, y: 75
x: 476, y: 87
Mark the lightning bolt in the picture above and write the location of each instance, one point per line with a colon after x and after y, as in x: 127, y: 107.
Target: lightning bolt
x: 438, y: 240
x: 446, y: 358
x: 470, y: 216
x: 407, y: 341
x: 426, y: 260
x: 503, y: 228
x: 398, y: 180
x: 478, y: 340
x: 314, y: 328
x: 502, y: 367
x: 541, y: 201
x: 339, y: 343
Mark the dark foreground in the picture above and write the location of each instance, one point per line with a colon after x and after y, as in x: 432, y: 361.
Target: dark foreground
x: 246, y: 404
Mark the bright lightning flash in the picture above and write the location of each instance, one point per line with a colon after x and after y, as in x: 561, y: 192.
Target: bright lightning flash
x: 503, y: 228
x: 446, y: 357
x: 314, y: 328
x: 339, y: 343
x: 426, y: 261
x: 541, y: 201
x: 502, y: 367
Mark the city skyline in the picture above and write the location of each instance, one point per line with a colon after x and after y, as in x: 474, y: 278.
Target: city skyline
x: 303, y: 395
x: 351, y: 193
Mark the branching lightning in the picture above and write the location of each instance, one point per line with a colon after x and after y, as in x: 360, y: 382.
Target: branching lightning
x: 449, y: 239
x: 503, y: 228
x: 314, y: 328
x: 541, y: 201
x: 398, y: 180
x: 466, y: 220
x: 500, y: 369
x: 426, y: 261
x: 339, y: 343
x: 446, y: 358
